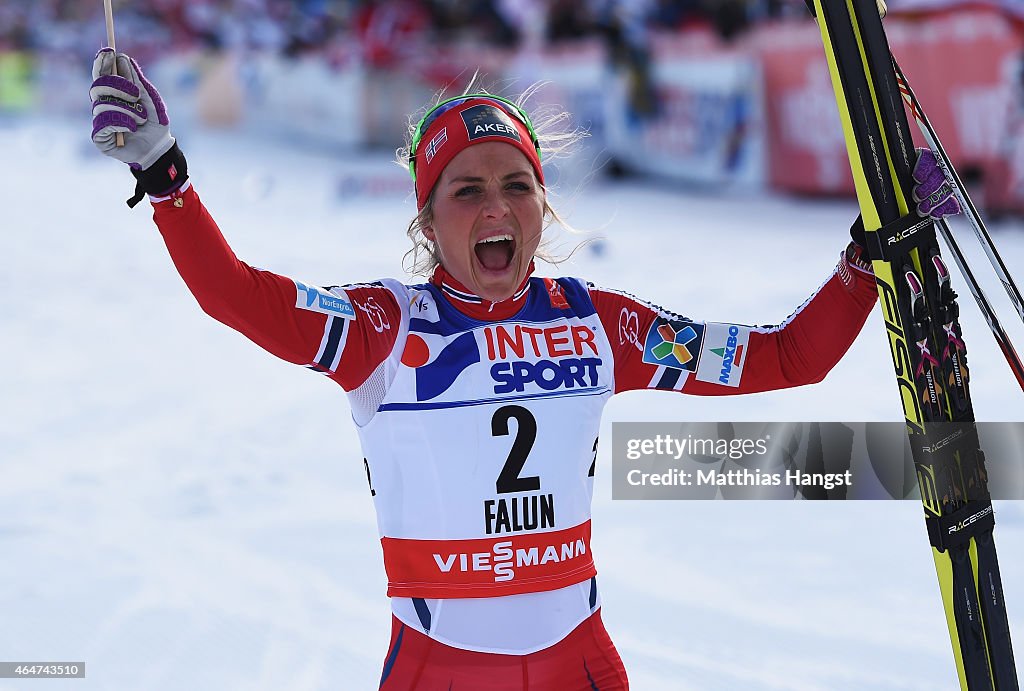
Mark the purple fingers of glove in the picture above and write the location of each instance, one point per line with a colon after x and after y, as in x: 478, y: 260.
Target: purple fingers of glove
x: 115, y: 101
x: 116, y: 119
x: 112, y: 111
x: 161, y: 109
x: 932, y: 191
x: 113, y: 85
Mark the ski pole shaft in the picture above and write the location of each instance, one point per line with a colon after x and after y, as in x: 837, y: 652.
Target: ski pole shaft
x: 1002, y: 340
x: 960, y: 190
x: 108, y: 12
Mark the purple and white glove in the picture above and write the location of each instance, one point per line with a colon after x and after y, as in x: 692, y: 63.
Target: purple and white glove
x: 127, y: 103
x: 131, y: 105
x: 932, y: 191
x: 935, y: 199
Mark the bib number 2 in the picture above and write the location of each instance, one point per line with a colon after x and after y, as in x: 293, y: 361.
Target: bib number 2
x: 509, y: 479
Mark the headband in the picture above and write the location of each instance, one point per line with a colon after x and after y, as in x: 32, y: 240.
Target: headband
x: 458, y: 123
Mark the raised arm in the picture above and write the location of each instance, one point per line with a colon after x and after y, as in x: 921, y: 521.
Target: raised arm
x: 344, y: 332
x: 658, y: 349
x: 341, y: 331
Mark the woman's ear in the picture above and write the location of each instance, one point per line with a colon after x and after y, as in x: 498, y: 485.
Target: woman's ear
x: 429, y: 234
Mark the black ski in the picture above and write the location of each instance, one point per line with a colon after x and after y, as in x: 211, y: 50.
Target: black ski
x: 925, y: 340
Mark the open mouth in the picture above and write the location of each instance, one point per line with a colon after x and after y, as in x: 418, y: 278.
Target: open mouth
x: 495, y: 253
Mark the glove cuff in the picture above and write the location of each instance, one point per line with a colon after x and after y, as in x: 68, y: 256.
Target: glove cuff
x: 857, y: 257
x: 853, y: 267
x: 163, y: 178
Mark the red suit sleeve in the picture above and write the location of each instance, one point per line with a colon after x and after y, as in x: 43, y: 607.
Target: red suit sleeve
x: 342, y: 331
x: 657, y: 349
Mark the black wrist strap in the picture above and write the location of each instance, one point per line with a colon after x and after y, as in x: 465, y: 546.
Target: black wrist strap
x: 165, y: 176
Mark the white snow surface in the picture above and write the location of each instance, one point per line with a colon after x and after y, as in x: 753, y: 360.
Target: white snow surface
x: 181, y: 511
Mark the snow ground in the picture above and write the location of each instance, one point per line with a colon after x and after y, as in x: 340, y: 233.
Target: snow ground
x: 181, y: 511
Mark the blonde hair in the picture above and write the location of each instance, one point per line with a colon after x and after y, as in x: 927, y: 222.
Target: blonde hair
x: 556, y: 140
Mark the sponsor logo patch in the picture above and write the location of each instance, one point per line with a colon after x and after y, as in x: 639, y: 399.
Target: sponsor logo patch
x: 629, y: 328
x: 519, y: 358
x: 724, y: 354
x: 556, y: 295
x: 536, y: 358
x: 434, y: 378
x: 674, y: 343
x: 422, y: 306
x: 376, y: 314
x: 489, y: 121
x: 315, y: 299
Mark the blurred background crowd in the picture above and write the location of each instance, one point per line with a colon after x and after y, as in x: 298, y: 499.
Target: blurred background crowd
x: 700, y: 91
x: 374, y: 26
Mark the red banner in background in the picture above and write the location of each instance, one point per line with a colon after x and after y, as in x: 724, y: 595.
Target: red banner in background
x: 963, y: 65
x: 803, y: 137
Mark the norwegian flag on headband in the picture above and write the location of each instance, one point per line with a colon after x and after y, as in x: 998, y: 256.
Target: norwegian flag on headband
x: 436, y: 143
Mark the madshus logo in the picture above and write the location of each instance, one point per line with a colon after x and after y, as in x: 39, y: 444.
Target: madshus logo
x: 524, y: 358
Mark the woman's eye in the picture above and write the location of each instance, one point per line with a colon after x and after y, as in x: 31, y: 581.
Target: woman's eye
x: 466, y: 191
x: 519, y: 186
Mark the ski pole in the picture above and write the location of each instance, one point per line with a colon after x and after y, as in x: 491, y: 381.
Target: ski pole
x: 971, y: 212
x: 108, y: 11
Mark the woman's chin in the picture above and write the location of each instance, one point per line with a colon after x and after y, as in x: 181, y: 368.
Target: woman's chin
x: 496, y: 285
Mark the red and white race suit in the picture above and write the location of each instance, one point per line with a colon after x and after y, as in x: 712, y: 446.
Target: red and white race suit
x: 479, y: 421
